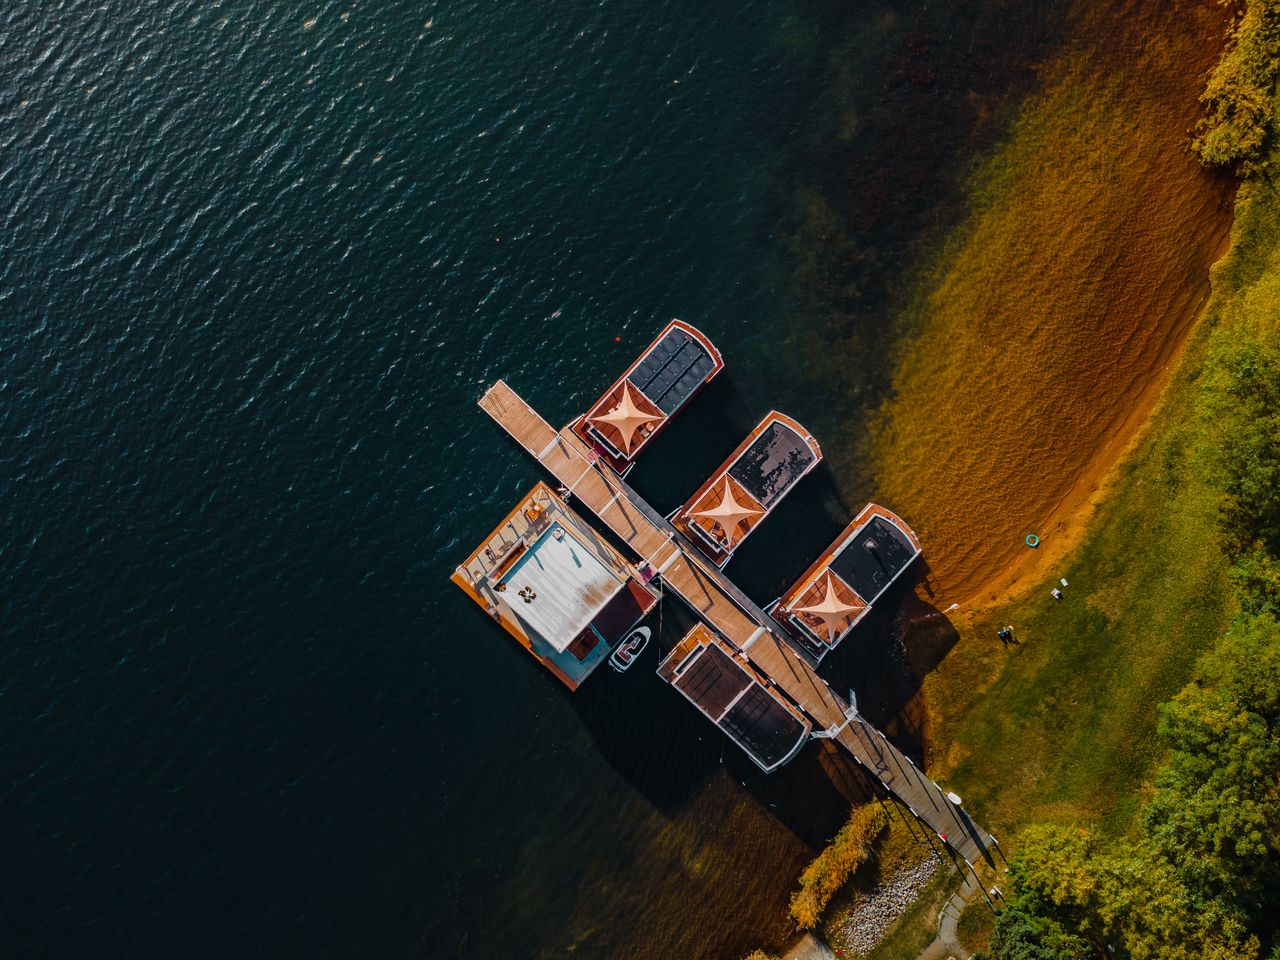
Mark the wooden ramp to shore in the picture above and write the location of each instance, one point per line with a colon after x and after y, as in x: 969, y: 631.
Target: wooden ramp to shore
x: 730, y: 612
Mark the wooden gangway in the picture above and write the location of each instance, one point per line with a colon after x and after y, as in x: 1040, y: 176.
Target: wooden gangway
x: 725, y: 608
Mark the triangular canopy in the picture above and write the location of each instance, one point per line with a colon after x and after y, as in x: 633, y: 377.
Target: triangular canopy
x: 728, y: 512
x: 626, y: 417
x: 831, y: 610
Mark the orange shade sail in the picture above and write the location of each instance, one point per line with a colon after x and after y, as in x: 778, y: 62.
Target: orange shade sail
x: 626, y: 417
x: 729, y: 512
x: 831, y: 610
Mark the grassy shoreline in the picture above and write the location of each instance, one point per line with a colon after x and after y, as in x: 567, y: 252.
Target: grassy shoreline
x: 1062, y: 727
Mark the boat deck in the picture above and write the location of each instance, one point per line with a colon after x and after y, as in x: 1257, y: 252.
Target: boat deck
x: 721, y: 682
x: 866, y: 559
x: 764, y: 468
x: 728, y: 611
x: 679, y: 363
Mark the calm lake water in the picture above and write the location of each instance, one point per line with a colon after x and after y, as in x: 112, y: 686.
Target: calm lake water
x: 258, y: 260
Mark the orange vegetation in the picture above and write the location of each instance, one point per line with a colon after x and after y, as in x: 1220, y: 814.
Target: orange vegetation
x: 834, y: 866
x: 1048, y: 325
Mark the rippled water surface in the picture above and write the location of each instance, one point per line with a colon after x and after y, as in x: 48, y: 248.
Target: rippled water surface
x: 257, y: 261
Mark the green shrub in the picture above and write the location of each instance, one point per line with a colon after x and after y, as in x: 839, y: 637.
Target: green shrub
x: 974, y: 927
x: 1251, y: 446
x: 1019, y: 935
x: 1238, y: 99
x: 1085, y: 898
x: 1215, y: 816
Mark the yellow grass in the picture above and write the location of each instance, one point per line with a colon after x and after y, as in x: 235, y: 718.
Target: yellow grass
x: 836, y: 864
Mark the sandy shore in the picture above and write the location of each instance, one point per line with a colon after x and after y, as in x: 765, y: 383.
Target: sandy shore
x: 1051, y: 321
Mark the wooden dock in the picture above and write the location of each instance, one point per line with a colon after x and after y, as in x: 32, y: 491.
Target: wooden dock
x: 730, y: 612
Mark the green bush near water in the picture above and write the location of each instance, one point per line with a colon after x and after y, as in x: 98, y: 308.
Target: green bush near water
x: 974, y: 927
x: 1238, y: 99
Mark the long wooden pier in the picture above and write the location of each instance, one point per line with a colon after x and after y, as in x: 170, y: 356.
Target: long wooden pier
x: 730, y: 612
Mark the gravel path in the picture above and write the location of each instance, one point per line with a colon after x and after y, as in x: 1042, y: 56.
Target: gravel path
x: 872, y: 914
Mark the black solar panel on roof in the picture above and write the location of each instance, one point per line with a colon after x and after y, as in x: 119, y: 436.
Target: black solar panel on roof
x: 712, y: 682
x: 769, y: 467
x: 869, y: 570
x: 763, y: 726
x: 671, y: 371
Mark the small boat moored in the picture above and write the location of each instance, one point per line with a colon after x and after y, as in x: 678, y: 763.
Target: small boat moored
x: 630, y: 649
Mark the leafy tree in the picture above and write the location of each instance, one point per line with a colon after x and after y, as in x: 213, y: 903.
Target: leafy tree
x: 1249, y: 402
x: 1215, y: 815
x: 1022, y: 936
x: 1238, y: 99
x: 1257, y: 575
x: 1128, y: 898
x: 1246, y: 666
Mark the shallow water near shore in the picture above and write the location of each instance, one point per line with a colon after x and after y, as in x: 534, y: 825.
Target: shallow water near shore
x: 1050, y: 319
x: 257, y: 263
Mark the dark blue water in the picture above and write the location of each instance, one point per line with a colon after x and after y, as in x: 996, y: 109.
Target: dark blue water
x: 257, y: 261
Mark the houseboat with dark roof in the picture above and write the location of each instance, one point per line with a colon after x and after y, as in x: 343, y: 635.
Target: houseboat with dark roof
x: 679, y: 363
x: 841, y: 586
x: 721, y: 682
x: 736, y: 499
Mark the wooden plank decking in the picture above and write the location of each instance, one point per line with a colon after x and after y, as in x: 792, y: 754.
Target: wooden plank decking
x: 730, y: 612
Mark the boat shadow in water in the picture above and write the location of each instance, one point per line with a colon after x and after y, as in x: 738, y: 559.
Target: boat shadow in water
x: 669, y: 753
x: 887, y: 656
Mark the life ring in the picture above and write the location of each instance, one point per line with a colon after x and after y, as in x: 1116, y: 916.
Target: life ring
x: 1032, y: 541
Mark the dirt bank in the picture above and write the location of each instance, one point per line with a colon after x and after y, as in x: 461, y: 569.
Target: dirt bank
x: 1052, y: 317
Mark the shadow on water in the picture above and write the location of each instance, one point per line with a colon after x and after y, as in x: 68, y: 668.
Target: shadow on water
x: 887, y: 657
x: 669, y: 752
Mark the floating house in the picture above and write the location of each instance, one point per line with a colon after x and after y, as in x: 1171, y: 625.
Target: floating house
x: 719, y: 681
x: 764, y: 468
x: 556, y: 586
x: 825, y: 604
x: 679, y: 363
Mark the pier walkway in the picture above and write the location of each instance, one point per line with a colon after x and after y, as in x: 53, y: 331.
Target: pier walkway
x: 730, y: 612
